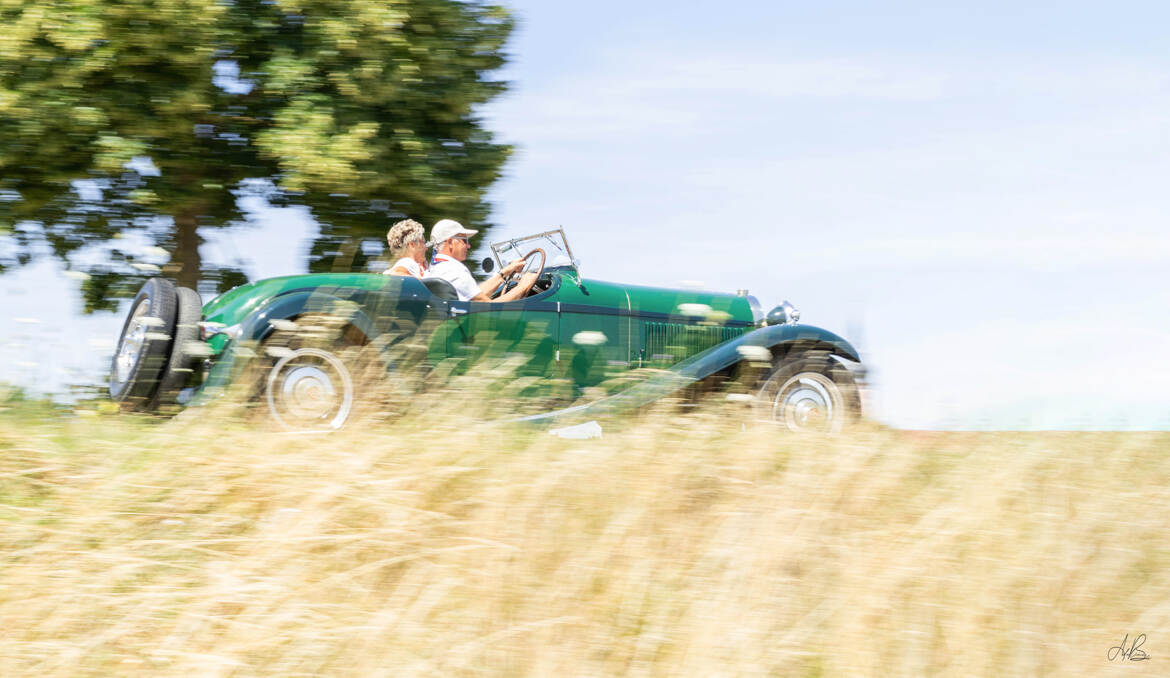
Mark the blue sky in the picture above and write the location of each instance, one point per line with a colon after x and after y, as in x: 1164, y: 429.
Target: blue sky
x: 973, y: 193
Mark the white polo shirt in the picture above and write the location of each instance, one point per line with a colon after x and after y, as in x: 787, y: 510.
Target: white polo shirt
x: 454, y: 272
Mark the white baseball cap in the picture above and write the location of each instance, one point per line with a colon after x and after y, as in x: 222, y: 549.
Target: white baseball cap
x: 448, y: 228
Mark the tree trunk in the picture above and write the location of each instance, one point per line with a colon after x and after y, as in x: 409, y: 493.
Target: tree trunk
x: 187, y: 241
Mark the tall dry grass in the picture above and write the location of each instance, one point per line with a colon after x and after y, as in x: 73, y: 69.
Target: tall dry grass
x: 677, y: 545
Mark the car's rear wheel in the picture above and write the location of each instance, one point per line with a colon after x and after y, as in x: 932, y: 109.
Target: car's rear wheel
x: 809, y: 393
x: 144, y: 346
x: 311, y: 382
x: 310, y: 389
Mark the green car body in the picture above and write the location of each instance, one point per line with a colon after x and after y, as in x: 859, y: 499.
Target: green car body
x: 575, y: 330
x: 579, y: 329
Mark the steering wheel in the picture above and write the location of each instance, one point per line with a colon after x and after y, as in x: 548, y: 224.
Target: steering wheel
x: 512, y: 280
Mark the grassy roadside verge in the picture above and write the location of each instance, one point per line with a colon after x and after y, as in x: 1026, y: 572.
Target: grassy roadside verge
x: 673, y: 546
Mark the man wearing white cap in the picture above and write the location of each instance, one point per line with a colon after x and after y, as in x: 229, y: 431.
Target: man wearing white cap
x: 449, y: 239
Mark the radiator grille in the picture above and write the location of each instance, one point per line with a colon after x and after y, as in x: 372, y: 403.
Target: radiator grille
x: 672, y: 342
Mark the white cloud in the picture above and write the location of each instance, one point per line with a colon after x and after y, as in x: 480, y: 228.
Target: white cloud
x: 650, y: 90
x: 723, y: 73
x: 629, y: 94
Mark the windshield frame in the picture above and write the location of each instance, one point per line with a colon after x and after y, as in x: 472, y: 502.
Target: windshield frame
x: 501, y: 247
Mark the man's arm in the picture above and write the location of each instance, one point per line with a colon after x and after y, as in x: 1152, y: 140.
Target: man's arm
x: 488, y: 286
x: 518, y: 292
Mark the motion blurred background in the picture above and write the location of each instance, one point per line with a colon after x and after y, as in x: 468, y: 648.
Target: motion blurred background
x: 973, y: 193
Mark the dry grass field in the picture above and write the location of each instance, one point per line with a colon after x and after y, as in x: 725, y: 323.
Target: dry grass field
x: 674, y: 546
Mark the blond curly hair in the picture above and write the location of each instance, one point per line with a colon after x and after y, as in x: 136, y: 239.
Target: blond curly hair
x: 403, y: 232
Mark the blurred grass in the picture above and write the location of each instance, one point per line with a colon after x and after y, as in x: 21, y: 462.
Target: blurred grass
x: 674, y: 546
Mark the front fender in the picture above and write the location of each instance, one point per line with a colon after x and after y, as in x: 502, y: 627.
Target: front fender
x: 778, y: 340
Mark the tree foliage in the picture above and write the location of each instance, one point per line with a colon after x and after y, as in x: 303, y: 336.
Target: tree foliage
x: 151, y: 118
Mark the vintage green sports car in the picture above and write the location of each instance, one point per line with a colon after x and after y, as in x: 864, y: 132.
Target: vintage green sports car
x: 568, y: 329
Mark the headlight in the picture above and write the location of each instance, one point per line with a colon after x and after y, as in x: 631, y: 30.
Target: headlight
x: 784, y: 314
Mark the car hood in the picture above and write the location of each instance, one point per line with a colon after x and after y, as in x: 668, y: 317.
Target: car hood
x: 665, y: 302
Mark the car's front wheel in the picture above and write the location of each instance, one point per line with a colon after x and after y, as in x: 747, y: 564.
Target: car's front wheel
x: 809, y: 393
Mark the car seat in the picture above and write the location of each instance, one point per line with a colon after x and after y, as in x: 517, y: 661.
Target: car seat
x: 441, y: 289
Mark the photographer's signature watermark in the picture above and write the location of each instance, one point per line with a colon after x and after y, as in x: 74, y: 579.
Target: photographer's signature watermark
x: 1131, y: 653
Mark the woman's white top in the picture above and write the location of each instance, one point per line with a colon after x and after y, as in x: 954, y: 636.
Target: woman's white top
x: 409, y: 264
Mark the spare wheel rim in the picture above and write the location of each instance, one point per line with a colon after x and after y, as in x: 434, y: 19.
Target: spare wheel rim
x: 132, y: 344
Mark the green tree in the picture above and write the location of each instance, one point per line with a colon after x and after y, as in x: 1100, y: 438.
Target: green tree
x: 154, y: 117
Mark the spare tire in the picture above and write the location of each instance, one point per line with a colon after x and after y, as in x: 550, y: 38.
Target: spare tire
x: 144, y: 345
x: 184, y: 353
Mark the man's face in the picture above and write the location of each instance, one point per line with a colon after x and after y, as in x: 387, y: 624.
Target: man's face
x: 459, y: 247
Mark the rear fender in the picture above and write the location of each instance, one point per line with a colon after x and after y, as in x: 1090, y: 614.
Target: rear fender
x: 258, y: 326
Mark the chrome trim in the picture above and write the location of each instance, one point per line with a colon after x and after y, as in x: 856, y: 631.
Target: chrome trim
x: 758, y: 314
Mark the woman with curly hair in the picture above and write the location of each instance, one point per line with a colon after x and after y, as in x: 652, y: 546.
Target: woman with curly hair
x: 408, y: 245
